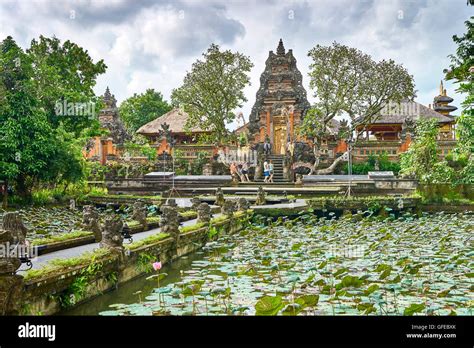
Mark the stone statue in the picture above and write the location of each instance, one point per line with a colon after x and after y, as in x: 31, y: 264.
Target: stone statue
x: 299, y: 179
x: 242, y: 204
x: 204, y: 213
x: 11, y: 284
x: 12, y: 222
x: 112, y: 232
x: 228, y: 208
x: 90, y: 222
x: 72, y: 204
x: 260, y: 196
x: 9, y: 262
x: 169, y: 222
x: 219, y: 197
x: 195, y: 202
x: 171, y: 202
x: 140, y: 212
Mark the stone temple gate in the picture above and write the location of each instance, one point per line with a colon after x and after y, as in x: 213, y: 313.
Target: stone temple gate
x: 281, y: 101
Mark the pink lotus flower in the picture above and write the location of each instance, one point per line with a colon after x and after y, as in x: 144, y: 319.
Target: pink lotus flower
x: 157, y: 266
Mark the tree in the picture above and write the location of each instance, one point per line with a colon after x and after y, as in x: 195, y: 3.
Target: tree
x: 213, y: 89
x: 461, y: 71
x: 143, y: 108
x: 26, y: 137
x: 420, y: 159
x: 64, y: 72
x: 348, y: 82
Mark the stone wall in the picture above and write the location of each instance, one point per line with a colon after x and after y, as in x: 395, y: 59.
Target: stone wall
x: 46, y: 295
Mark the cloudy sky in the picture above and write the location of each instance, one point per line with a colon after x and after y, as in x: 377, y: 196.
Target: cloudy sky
x: 152, y: 43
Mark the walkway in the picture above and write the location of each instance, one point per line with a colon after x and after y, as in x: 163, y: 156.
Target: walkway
x: 42, y: 260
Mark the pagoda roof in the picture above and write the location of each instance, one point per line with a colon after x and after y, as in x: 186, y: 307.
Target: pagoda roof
x: 175, y: 118
x: 399, y: 117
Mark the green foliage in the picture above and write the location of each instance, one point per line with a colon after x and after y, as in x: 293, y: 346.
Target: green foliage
x: 419, y: 160
x: 213, y: 89
x: 56, y: 266
x: 459, y: 70
x: 143, y: 108
x: 145, y: 262
x: 65, y: 71
x: 414, y: 308
x: 139, y: 146
x: 365, y: 167
x: 61, y: 237
x: 422, y: 162
x: 147, y: 241
x: 269, y: 305
x: 37, y: 145
x: 346, y: 80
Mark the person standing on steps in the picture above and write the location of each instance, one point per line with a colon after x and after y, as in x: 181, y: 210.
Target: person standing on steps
x: 270, y: 169
x: 266, y: 171
x: 267, y: 146
x: 245, y: 171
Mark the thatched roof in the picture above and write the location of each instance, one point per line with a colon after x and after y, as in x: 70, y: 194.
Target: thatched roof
x: 176, y: 119
x: 412, y: 110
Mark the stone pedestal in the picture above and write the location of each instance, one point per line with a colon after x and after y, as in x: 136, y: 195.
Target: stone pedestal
x: 140, y: 212
x: 90, y: 222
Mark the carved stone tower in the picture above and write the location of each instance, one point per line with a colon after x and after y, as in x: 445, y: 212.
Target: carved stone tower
x: 281, y: 101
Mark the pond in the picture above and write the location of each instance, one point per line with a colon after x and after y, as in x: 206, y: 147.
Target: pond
x: 352, y: 265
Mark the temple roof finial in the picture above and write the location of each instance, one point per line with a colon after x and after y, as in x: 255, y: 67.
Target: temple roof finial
x: 280, y: 48
x: 441, y: 88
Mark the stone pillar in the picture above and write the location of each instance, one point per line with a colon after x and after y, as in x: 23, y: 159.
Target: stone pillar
x: 169, y: 223
x: 220, y: 200
x: 90, y: 222
x: 268, y: 125
x: 228, y: 209
x: 140, y: 212
x: 195, y: 202
x: 261, y: 200
x: 112, y: 236
x: 204, y: 213
x: 242, y: 204
x: 292, y: 124
x: 11, y: 284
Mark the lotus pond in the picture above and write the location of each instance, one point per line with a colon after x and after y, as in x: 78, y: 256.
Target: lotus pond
x: 352, y: 265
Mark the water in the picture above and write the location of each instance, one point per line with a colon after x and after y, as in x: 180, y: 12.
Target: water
x: 315, y: 266
x: 125, y: 293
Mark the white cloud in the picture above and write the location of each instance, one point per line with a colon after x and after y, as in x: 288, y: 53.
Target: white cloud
x: 151, y: 44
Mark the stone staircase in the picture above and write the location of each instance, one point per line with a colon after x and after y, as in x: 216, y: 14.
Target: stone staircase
x: 277, y: 169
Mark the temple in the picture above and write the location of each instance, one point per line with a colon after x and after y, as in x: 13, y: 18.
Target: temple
x: 280, y: 106
x: 110, y: 145
x: 159, y: 131
x: 280, y: 103
x: 392, y: 131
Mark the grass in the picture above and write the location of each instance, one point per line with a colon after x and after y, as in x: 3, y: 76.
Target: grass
x: 150, y: 220
x: 190, y: 228
x: 99, y: 195
x: 58, y: 265
x: 148, y: 240
x: 61, y: 237
x: 188, y: 214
